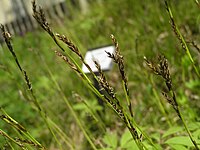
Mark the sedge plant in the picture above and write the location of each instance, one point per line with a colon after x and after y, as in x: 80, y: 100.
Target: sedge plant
x: 110, y: 97
x: 161, y: 68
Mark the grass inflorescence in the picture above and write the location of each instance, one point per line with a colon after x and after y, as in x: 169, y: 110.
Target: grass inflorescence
x: 181, y: 38
x: 162, y: 69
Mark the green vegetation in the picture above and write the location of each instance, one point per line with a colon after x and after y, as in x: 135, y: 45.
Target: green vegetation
x: 47, y: 102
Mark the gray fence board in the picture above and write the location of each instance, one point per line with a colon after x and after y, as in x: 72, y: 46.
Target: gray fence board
x: 16, y: 15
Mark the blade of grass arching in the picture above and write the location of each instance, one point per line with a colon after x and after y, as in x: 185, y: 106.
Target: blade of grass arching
x: 41, y: 19
x: 74, y: 114
x: 180, y: 38
x: 144, y: 134
x: 92, y: 88
x: 160, y: 103
x: 197, y: 2
x: 119, y: 60
x: 69, y: 105
x: 7, y: 38
x: 4, y: 134
x: 61, y: 133
x: 10, y: 145
x: 89, y: 84
x: 5, y: 117
x: 20, y: 136
x: 162, y: 69
x: 95, y: 116
x: 18, y: 127
x: 187, y: 130
x: 87, y: 81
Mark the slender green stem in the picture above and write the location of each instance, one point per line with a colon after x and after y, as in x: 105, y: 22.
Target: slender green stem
x: 180, y: 37
x: 19, y: 128
x: 10, y: 145
x: 88, y: 82
x: 75, y: 116
x: 70, y: 107
x: 11, y: 139
x: 62, y: 134
x: 138, y: 142
x: 197, y: 2
x: 160, y: 104
x: 144, y: 134
x: 188, y: 131
x: 27, y: 81
x: 127, y: 98
x: 95, y: 116
x: 50, y: 129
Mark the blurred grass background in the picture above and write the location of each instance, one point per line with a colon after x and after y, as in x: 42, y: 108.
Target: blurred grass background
x: 142, y: 29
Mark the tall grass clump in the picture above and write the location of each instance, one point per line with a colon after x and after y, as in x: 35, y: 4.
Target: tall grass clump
x: 140, y: 111
x: 109, y: 97
x: 7, y: 38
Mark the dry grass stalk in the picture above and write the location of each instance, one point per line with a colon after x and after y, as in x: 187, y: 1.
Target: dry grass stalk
x: 71, y: 46
x: 12, y: 122
x: 195, y: 45
x: 40, y: 17
x: 74, y: 49
x: 162, y: 69
x: 7, y: 38
x: 118, y: 59
x: 180, y: 37
x: 73, y: 66
x: 114, y: 102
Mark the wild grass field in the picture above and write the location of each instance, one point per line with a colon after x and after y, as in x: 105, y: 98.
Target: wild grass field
x: 51, y: 104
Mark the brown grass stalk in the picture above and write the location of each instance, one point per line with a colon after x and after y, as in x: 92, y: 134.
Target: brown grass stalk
x: 161, y: 68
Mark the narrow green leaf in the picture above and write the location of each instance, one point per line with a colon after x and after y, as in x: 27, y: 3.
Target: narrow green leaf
x: 181, y: 140
x: 193, y: 126
x: 172, y: 130
x: 131, y: 145
x: 178, y: 147
x: 126, y: 137
x: 111, y: 140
